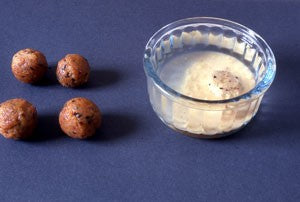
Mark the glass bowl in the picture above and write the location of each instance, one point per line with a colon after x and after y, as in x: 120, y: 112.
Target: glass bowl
x: 205, y: 118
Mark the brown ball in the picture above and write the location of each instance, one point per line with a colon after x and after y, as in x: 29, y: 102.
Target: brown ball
x: 73, y: 70
x: 80, y: 118
x: 18, y: 118
x: 29, y: 65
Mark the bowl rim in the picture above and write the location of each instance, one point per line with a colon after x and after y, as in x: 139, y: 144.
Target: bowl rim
x: 257, y: 90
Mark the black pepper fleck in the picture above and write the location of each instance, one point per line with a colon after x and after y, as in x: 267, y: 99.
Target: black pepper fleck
x: 77, y: 115
x: 89, y: 119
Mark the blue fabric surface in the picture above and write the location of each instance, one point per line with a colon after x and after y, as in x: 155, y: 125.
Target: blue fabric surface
x: 134, y: 157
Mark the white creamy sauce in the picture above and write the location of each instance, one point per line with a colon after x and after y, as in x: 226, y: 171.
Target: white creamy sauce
x: 208, y: 75
x: 216, y: 76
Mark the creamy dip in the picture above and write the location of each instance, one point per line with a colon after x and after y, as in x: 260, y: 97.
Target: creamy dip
x: 209, y: 75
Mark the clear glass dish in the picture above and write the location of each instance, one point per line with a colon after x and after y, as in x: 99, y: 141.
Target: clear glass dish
x: 191, y: 115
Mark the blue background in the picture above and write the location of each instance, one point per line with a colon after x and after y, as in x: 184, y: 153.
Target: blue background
x: 134, y: 157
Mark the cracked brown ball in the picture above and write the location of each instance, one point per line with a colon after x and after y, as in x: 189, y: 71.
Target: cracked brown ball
x: 73, y: 70
x: 29, y: 65
x: 80, y: 118
x: 18, y: 118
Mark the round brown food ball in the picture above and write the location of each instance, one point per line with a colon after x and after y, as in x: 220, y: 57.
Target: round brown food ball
x: 80, y: 118
x: 29, y: 65
x: 73, y: 70
x: 18, y: 118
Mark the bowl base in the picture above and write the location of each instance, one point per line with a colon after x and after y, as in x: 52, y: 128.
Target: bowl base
x: 203, y: 136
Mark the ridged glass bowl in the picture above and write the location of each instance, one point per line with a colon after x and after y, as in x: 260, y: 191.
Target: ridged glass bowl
x: 198, y: 117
